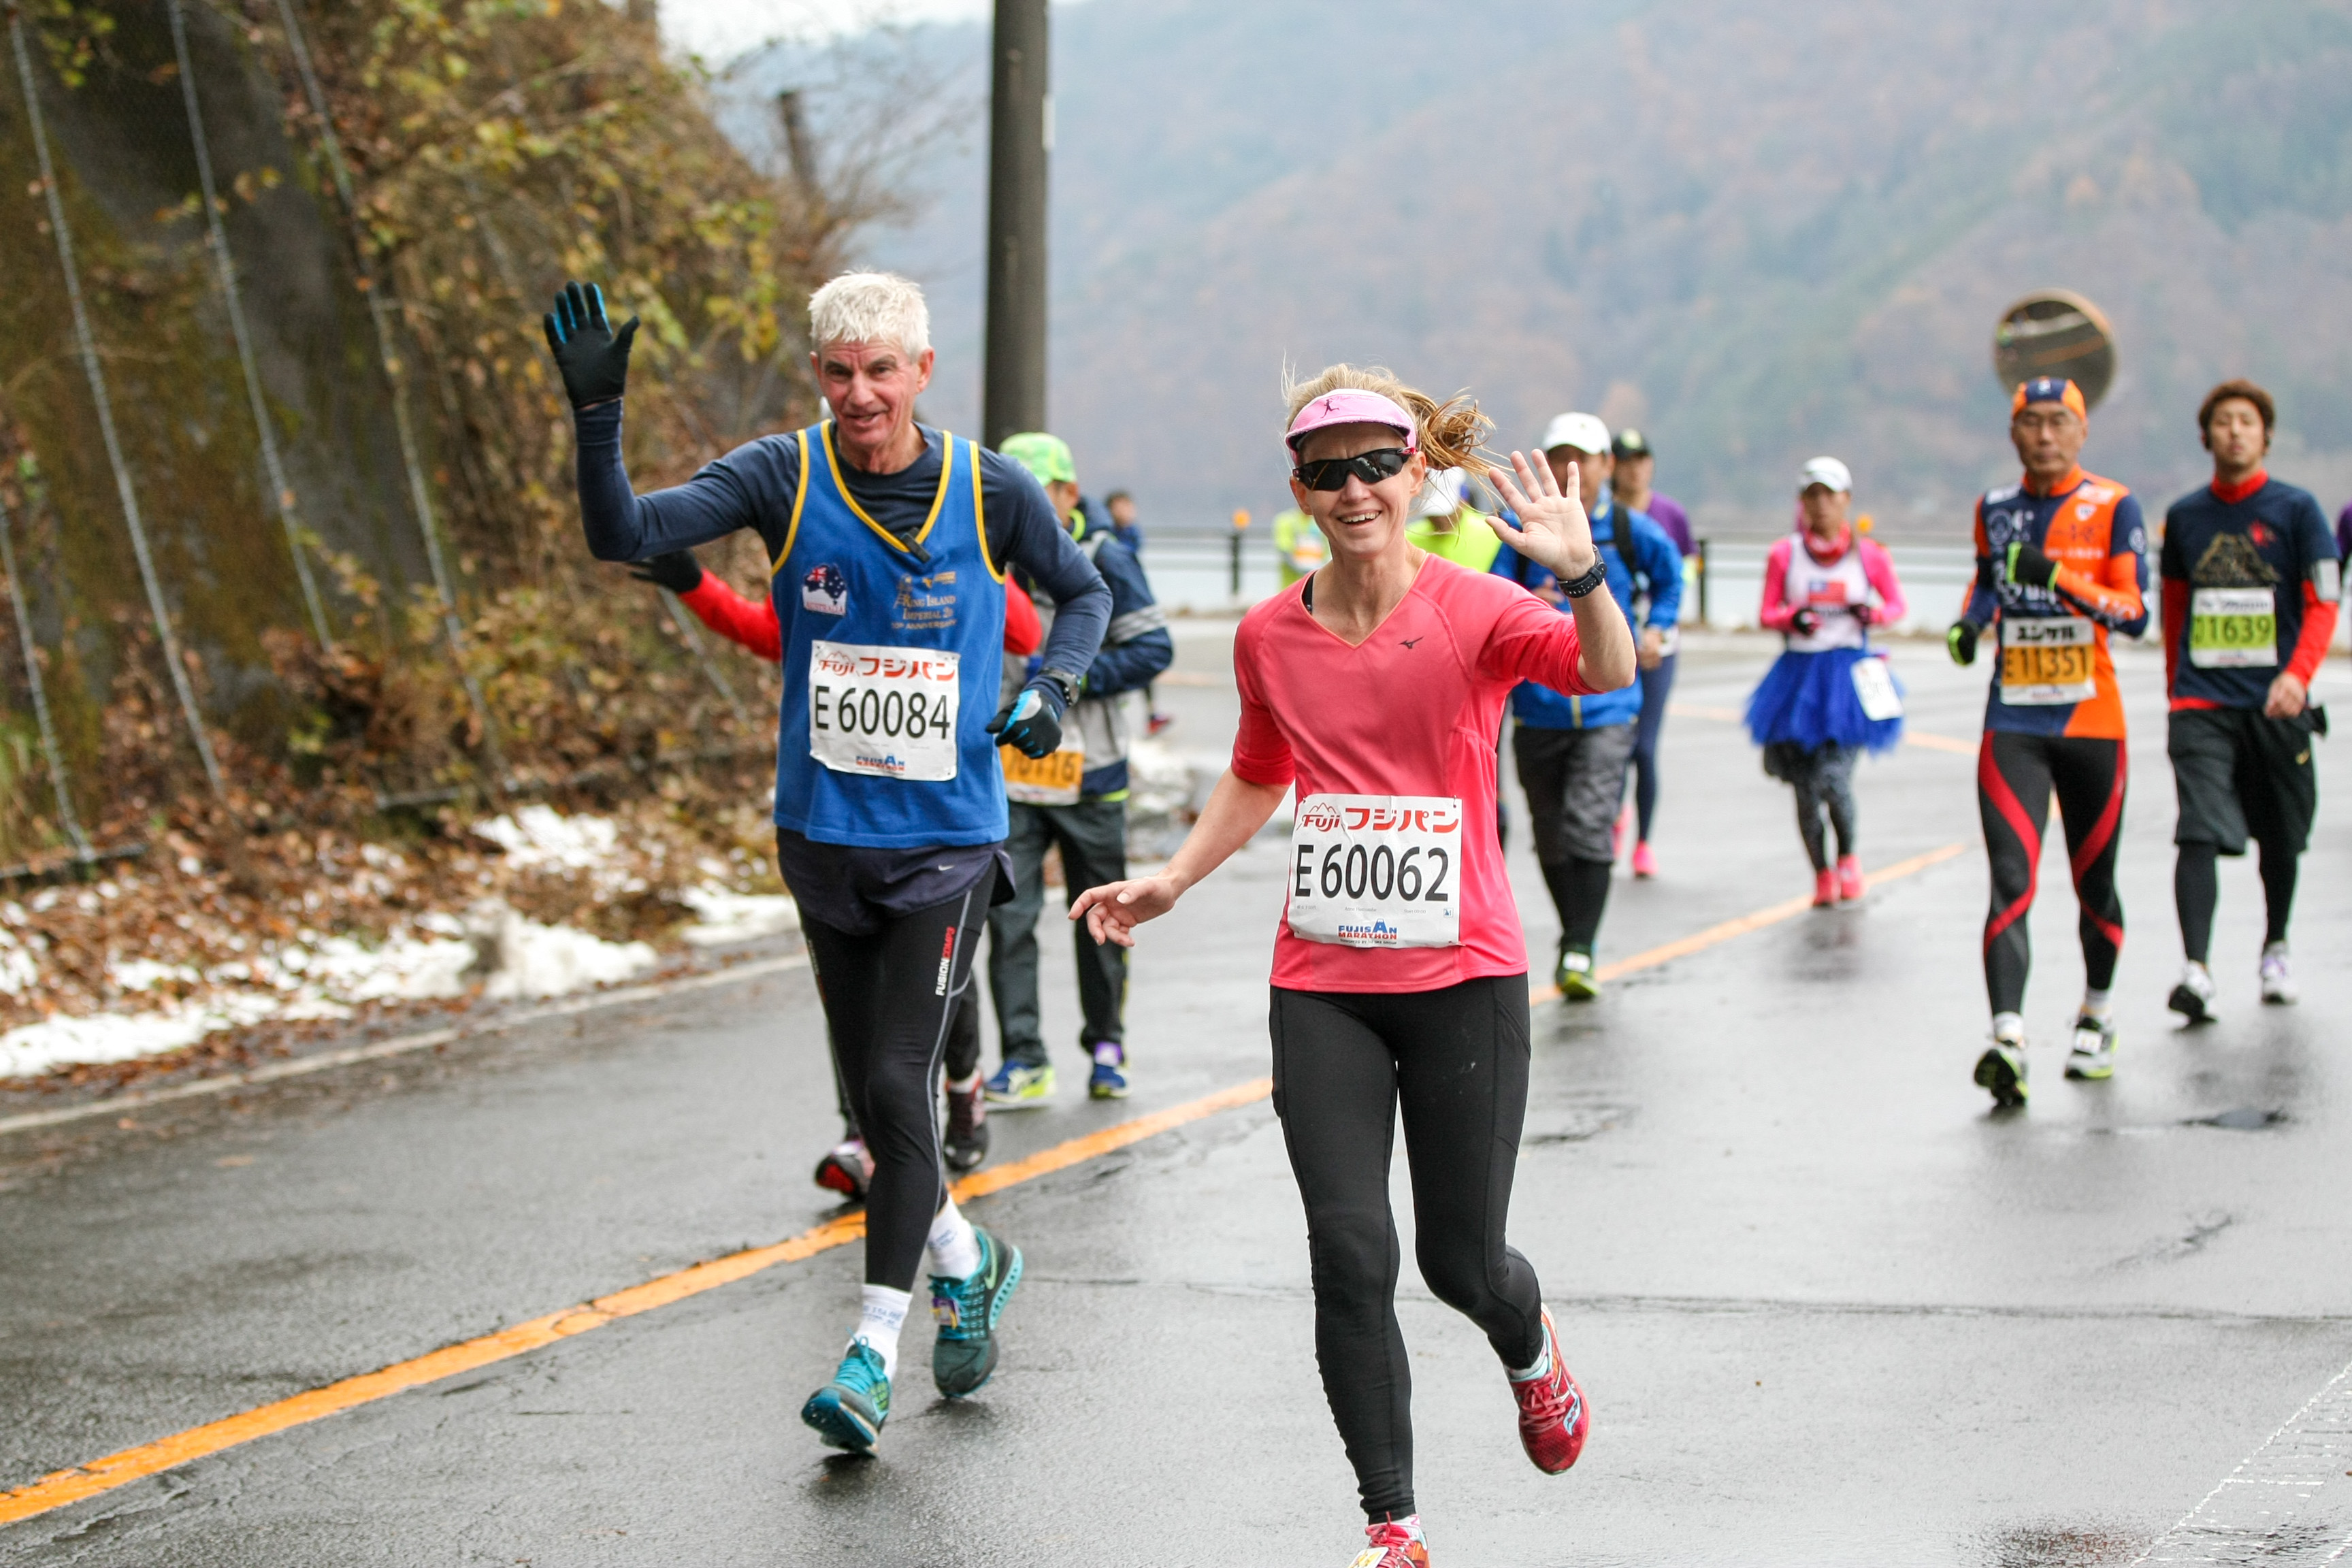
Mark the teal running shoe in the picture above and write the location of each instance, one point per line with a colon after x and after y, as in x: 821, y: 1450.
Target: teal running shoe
x: 848, y: 1411
x: 964, y: 1354
x: 1109, y: 1079
x: 1021, y: 1085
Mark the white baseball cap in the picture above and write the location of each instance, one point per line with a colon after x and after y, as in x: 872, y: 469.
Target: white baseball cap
x: 1585, y: 432
x: 1441, y: 495
x: 1825, y: 471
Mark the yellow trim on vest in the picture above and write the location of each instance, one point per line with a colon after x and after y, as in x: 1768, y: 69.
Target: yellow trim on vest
x: 947, y: 472
x: 800, y: 500
x: 980, y: 516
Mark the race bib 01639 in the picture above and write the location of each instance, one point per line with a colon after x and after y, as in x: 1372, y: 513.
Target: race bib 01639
x: 1377, y: 870
x: 2046, y: 661
x: 2233, y: 628
x: 888, y: 712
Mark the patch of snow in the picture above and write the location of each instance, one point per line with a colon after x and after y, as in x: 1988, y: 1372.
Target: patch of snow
x: 525, y: 958
x: 145, y: 974
x: 724, y: 916
x: 18, y: 967
x: 540, y: 835
x: 1160, y: 781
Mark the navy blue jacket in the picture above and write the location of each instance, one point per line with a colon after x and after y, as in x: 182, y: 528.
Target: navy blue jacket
x: 1657, y: 569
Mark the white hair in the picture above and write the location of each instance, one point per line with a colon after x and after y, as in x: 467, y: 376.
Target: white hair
x: 870, y: 308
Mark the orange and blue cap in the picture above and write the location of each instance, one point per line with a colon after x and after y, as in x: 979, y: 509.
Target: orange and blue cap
x: 2050, y: 389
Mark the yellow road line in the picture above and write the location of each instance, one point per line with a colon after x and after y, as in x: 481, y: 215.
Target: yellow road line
x: 55, y: 1492
x: 1920, y: 738
x: 1771, y: 914
x: 103, y: 1475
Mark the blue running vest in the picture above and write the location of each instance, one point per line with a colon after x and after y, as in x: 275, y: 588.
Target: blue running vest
x: 865, y: 741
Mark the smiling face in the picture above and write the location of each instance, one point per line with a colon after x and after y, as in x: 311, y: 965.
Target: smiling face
x: 1362, y: 521
x: 871, y: 388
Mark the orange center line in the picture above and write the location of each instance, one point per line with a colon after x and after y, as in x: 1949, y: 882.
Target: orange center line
x: 55, y: 1492
x: 1771, y: 914
x: 102, y: 1475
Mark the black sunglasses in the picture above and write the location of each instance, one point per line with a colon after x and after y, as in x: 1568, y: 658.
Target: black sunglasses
x: 1331, y: 473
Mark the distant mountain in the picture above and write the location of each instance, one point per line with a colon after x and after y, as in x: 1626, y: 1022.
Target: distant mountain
x: 1761, y: 231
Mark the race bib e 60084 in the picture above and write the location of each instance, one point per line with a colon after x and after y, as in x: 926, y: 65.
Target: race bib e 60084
x: 888, y: 712
x: 1377, y: 870
x: 2233, y: 628
x: 2046, y: 661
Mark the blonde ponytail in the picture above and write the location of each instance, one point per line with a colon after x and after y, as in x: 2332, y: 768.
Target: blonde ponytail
x: 1450, y: 433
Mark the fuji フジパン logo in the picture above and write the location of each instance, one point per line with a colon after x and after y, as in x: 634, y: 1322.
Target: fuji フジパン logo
x: 1320, y: 818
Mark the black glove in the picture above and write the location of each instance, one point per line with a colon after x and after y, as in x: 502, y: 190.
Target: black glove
x: 1804, y: 622
x: 1862, y: 613
x: 592, y: 359
x: 2029, y: 566
x: 1032, y: 722
x: 678, y: 571
x: 1962, y: 641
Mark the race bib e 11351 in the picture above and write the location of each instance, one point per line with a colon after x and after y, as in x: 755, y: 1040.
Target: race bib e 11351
x: 2047, y: 660
x: 887, y: 712
x: 1377, y: 870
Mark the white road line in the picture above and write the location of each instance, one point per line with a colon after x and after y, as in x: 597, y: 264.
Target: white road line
x: 2290, y: 1502
x: 399, y: 1046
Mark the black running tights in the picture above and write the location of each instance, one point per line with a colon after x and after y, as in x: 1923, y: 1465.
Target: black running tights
x: 1456, y: 1062
x: 2016, y: 774
x: 2197, y: 890
x: 889, y: 1002
x: 962, y: 1059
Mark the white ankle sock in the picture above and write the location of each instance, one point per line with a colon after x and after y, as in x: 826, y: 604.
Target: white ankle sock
x: 968, y: 1085
x: 1524, y: 1373
x: 2009, y: 1028
x: 882, y: 1315
x: 955, y: 1250
x: 2095, y: 1003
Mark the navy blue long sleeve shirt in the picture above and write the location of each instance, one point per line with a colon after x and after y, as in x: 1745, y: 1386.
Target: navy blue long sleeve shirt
x: 753, y: 486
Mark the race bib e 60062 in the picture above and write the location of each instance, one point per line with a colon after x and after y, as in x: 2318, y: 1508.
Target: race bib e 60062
x: 2046, y: 661
x: 888, y: 712
x: 1377, y: 870
x: 2233, y: 628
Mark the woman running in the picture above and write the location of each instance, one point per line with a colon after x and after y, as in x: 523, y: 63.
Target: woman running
x: 1827, y: 698
x: 1374, y: 688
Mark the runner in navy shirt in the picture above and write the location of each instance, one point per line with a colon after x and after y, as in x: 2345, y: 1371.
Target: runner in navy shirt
x: 2250, y: 584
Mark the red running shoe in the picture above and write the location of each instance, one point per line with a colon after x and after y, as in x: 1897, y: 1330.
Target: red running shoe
x: 847, y: 1169
x: 1553, y: 1419
x: 1849, y: 876
x: 1395, y: 1543
x: 1825, y: 884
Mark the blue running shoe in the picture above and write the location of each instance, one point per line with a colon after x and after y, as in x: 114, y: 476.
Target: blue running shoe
x: 1109, y: 1079
x: 848, y: 1411
x: 964, y: 1354
x: 1021, y: 1085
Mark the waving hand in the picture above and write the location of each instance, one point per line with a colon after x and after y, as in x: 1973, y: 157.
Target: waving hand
x: 1552, y: 530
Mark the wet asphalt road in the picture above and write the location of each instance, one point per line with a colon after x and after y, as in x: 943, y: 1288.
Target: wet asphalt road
x: 1828, y: 1309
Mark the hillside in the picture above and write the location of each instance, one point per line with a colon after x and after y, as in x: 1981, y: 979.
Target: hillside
x: 1761, y: 229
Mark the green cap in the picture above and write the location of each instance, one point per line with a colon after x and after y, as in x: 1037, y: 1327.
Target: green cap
x: 1048, y: 457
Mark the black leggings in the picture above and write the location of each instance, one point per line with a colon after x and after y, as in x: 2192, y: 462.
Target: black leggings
x: 1822, y: 779
x: 890, y: 1000
x: 1456, y: 1061
x: 2015, y: 776
x: 961, y: 1061
x: 2197, y: 889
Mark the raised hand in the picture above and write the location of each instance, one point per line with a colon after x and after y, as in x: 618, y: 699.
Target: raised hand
x: 592, y: 358
x: 1113, y: 910
x: 1552, y: 530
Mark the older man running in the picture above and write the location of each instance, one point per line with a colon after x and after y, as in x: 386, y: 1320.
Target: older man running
x: 889, y: 542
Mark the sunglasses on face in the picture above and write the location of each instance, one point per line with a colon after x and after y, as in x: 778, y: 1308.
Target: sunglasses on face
x: 1331, y: 473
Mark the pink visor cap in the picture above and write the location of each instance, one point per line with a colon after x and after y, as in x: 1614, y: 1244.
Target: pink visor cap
x: 1351, y: 406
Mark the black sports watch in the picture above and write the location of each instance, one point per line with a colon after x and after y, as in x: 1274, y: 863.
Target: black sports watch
x: 1064, y: 682
x: 1595, y: 578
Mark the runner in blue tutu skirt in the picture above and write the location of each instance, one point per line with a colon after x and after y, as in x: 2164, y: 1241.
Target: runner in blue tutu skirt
x: 1828, y: 697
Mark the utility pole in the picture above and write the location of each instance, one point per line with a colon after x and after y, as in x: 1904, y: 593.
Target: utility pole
x: 1020, y: 137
